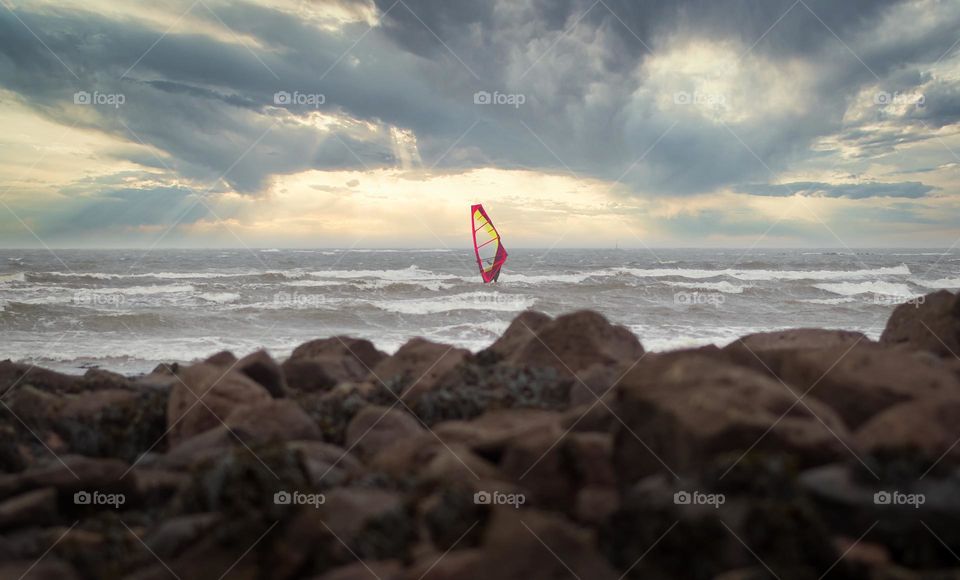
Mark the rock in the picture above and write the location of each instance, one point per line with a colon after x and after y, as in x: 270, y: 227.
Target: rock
x: 678, y: 412
x: 802, y: 338
x: 933, y: 325
x: 272, y: 421
x: 47, y: 569
x: 172, y: 536
x: 520, y: 545
x: 925, y: 428
x: 224, y: 358
x: 416, y: 367
x: 69, y: 474
x: 861, y: 381
x: 373, y: 523
x: 428, y: 460
x: 36, y: 508
x: 519, y: 333
x: 261, y: 367
x: 14, y: 375
x: 204, y: 398
x: 325, y: 465
x: 374, y: 428
x: 319, y: 365
x: 489, y: 433
x: 383, y: 570
x: 574, y: 342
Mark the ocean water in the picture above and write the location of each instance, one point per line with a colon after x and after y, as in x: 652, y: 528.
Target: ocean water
x: 127, y: 310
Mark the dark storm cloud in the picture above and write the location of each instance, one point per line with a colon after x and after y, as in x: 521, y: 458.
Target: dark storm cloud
x: 204, y: 102
x: 906, y: 189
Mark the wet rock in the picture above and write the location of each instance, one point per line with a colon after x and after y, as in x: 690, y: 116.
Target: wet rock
x: 374, y: 524
x: 933, y: 325
x: 48, y: 569
x: 523, y: 328
x: 224, y: 358
x: 574, y: 342
x: 375, y: 428
x: 172, y: 536
x: 384, y: 570
x: 519, y: 545
x: 69, y: 474
x: 417, y: 366
x: 319, y: 365
x: 261, y: 367
x: 205, y: 397
x: 15, y: 375
x: 802, y: 338
x: 489, y: 433
x: 926, y: 428
x: 677, y: 413
x: 428, y: 460
x: 38, y: 507
x: 862, y: 381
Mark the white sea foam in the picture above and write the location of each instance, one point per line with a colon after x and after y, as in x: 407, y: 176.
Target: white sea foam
x: 537, y: 279
x: 220, y: 297
x: 830, y: 301
x: 941, y: 284
x: 874, y: 287
x: 487, y: 301
x: 17, y: 277
x: 722, y: 286
x: 761, y: 275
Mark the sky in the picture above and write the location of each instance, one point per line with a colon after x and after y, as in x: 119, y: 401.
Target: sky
x: 577, y: 123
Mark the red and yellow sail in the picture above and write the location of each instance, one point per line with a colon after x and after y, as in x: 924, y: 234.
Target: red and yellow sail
x: 486, y: 244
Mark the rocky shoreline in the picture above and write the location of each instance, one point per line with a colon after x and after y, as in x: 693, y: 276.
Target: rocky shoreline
x: 564, y: 450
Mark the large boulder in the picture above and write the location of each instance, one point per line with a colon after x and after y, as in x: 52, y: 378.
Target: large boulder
x: 417, y: 367
x: 375, y: 428
x: 321, y: 364
x: 520, y: 545
x: 16, y: 374
x: 927, y: 427
x: 261, y: 367
x: 573, y: 342
x: 520, y: 331
x: 204, y: 396
x: 933, y: 325
x: 857, y: 382
x: 680, y: 412
x: 802, y: 338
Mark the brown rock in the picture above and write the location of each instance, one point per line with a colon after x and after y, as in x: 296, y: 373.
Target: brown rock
x: 221, y: 391
x: 321, y: 364
x: 802, y: 338
x: 574, y: 342
x: 417, y: 366
x: 860, y: 382
x: 18, y: 374
x: 361, y: 351
x: 384, y: 570
x: 47, y: 569
x: 491, y: 431
x: 927, y: 426
x: 429, y: 460
x: 172, y: 536
x: 520, y: 545
x: 933, y: 325
x: 35, y: 508
x: 519, y: 333
x: 69, y: 474
x: 679, y: 412
x: 261, y: 367
x: 374, y: 428
x: 224, y: 358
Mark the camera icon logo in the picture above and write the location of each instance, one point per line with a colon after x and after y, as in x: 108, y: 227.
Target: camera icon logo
x: 482, y: 98
x: 82, y: 498
x: 682, y: 498
x: 882, y: 98
x: 282, y: 98
x: 682, y: 98
x: 882, y: 498
x: 282, y: 498
x: 81, y: 98
x: 482, y: 498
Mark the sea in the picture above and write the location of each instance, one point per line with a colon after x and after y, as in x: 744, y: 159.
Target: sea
x: 128, y: 310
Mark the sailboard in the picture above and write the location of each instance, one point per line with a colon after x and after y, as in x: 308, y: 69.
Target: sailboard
x: 486, y: 244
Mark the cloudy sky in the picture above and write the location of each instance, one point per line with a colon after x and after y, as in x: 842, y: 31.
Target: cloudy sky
x: 375, y: 123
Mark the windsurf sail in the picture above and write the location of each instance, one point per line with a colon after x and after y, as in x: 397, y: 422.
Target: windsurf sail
x: 486, y: 243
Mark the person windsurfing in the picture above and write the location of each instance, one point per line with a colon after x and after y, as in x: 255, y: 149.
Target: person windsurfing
x: 490, y: 253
